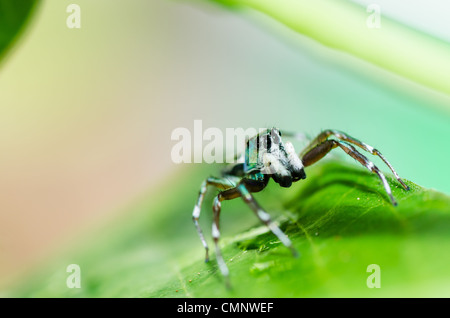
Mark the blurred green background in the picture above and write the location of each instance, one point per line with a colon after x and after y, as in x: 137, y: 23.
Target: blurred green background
x: 87, y: 114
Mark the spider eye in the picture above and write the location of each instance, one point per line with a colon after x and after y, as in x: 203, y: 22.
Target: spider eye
x: 268, y: 142
x: 276, y: 137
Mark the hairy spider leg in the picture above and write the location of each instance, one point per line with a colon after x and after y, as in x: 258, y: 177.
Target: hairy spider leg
x: 222, y: 184
x: 216, y: 236
x: 243, y: 190
x: 319, y: 151
x: 264, y: 217
x: 345, y: 137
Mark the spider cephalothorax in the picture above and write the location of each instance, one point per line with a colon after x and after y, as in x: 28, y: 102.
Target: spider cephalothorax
x: 267, y: 154
x: 267, y: 157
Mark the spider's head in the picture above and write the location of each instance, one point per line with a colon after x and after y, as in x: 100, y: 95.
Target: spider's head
x: 277, y: 158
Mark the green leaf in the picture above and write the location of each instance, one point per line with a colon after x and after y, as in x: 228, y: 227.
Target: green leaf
x: 339, y: 219
x: 13, y: 16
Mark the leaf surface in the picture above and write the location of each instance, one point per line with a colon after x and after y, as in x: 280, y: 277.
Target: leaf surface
x: 339, y: 219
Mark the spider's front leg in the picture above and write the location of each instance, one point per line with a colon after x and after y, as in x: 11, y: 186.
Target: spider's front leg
x: 321, y: 145
x: 222, y: 184
x: 264, y: 217
x: 216, y: 235
x: 347, y: 138
x: 244, y: 189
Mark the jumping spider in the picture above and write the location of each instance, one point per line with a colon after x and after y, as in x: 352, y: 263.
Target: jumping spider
x: 267, y: 156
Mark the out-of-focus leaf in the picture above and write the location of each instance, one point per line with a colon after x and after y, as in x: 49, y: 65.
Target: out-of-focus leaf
x: 13, y: 17
x: 346, y: 26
